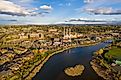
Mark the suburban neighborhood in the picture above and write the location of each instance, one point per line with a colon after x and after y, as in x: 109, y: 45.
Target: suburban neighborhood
x: 22, y: 48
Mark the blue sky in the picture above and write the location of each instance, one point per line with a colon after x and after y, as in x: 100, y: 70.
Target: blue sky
x: 59, y: 11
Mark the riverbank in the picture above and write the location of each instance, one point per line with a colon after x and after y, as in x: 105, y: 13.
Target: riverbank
x: 41, y: 64
x: 103, y: 68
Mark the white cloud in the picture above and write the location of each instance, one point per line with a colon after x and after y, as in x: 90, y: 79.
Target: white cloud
x: 46, y: 7
x: 9, y: 8
x: 104, y: 7
x: 25, y: 0
x: 88, y: 1
x: 104, y: 11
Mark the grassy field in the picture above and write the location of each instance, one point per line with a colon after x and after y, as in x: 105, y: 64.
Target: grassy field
x: 114, y: 53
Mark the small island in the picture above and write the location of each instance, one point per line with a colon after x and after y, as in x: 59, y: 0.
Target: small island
x: 74, y: 71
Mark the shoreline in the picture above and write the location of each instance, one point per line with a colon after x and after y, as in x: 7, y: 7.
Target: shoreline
x: 41, y: 64
x: 104, y: 69
x: 76, y: 70
x: 98, y: 70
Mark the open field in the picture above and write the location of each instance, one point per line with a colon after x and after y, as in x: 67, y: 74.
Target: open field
x: 114, y: 53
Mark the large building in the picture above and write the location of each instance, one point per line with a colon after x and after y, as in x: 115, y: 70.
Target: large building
x: 67, y: 35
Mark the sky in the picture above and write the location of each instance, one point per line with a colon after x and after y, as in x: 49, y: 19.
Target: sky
x: 60, y: 11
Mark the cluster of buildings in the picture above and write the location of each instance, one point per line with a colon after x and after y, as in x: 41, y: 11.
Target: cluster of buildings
x: 28, y: 42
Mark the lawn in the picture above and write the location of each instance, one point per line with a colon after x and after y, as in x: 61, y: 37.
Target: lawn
x: 114, y: 53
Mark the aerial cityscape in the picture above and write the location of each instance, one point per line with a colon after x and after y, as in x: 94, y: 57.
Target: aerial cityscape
x: 60, y: 40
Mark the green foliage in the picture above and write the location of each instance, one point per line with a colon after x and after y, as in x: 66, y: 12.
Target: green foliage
x: 114, y: 53
x: 100, y: 51
x: 16, y: 77
x: 45, y: 54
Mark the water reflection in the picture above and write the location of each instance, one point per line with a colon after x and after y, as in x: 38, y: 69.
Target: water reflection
x: 54, y: 68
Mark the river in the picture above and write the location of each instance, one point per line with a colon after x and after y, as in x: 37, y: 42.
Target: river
x: 54, y: 67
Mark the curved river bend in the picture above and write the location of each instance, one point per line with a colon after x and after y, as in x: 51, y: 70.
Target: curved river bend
x: 54, y: 67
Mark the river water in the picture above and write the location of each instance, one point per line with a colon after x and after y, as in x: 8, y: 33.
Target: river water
x: 54, y: 67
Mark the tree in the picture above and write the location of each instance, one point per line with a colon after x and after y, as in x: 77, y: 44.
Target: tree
x: 100, y: 52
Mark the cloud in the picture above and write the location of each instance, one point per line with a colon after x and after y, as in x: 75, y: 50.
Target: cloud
x: 26, y: 1
x: 86, y: 20
x: 11, y: 20
x: 46, y: 7
x: 101, y: 1
x: 92, y: 21
x: 9, y: 8
x: 22, y: 1
x: 101, y: 7
x: 88, y: 1
x: 104, y: 11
